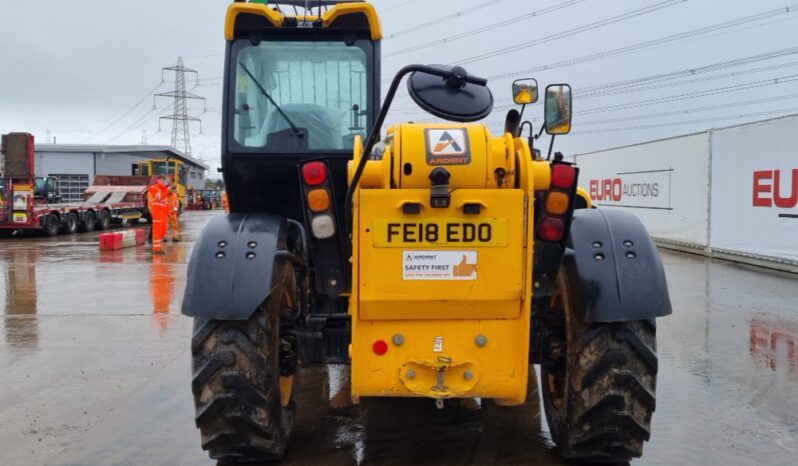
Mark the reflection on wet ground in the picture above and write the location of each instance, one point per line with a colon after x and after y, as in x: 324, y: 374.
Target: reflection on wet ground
x: 20, y: 298
x: 95, y: 361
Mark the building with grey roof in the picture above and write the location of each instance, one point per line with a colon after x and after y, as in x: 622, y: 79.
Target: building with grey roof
x: 76, y: 165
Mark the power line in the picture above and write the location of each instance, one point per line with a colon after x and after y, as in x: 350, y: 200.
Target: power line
x: 599, y: 93
x: 127, y: 112
x: 691, y: 110
x: 691, y: 95
x: 690, y: 35
x: 668, y: 99
x: 399, y: 5
x: 689, y: 71
x: 625, y: 87
x: 784, y: 111
x: 690, y: 81
x: 448, y: 17
x: 571, y: 32
x: 655, y: 42
x: 637, y: 84
x: 134, y: 125
x: 482, y: 29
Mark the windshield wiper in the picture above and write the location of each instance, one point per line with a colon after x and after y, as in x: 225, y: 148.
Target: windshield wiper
x: 299, y: 133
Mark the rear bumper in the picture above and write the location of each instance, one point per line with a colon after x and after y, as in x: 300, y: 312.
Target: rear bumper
x: 442, y: 359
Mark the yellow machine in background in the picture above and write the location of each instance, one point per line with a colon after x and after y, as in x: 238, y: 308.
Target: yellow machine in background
x: 174, y: 169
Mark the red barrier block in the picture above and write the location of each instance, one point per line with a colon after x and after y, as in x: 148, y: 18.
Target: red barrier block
x: 122, y: 239
x: 141, y: 237
x: 110, y: 241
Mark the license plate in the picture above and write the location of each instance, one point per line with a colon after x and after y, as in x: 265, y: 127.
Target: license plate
x: 441, y: 232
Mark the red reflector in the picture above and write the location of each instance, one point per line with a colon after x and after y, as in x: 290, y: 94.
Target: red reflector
x: 380, y: 347
x: 315, y: 173
x: 563, y: 176
x: 551, y: 229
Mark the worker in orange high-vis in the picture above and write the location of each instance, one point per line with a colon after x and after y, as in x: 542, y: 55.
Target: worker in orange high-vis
x: 225, y: 202
x: 157, y: 204
x: 174, y: 212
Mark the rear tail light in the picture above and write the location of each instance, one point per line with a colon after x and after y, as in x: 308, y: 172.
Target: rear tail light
x: 319, y: 200
x: 563, y: 176
x: 314, y: 173
x: 557, y: 203
x: 322, y: 226
x: 380, y: 347
x: 551, y: 229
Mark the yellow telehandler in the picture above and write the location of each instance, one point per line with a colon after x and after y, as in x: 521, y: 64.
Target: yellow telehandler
x: 439, y: 260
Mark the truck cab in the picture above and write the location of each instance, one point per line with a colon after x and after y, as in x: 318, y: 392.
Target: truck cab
x: 46, y: 190
x: 300, y: 89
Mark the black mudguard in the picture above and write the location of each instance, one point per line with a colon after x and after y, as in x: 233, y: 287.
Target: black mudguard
x: 616, y: 267
x: 233, y: 263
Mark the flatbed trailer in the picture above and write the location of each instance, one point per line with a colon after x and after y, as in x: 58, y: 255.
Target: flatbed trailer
x: 105, y: 206
x: 28, y: 202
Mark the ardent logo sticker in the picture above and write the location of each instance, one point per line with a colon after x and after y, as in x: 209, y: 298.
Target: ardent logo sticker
x: 447, y: 146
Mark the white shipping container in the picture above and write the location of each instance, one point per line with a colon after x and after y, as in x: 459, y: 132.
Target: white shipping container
x: 665, y: 183
x: 755, y: 189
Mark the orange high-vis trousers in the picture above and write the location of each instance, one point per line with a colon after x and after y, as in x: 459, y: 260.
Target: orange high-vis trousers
x: 160, y: 217
x: 174, y: 225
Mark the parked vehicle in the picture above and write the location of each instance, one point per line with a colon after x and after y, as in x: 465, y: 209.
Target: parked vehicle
x: 28, y: 202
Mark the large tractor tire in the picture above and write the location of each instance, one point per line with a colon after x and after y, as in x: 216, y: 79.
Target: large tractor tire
x: 243, y: 381
x: 598, y: 382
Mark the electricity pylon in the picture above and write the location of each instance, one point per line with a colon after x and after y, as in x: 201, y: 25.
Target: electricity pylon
x: 181, y: 135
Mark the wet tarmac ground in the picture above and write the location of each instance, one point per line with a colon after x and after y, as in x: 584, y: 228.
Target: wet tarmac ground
x: 95, y: 370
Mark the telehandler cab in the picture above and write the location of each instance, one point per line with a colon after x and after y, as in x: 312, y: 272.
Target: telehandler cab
x: 438, y: 260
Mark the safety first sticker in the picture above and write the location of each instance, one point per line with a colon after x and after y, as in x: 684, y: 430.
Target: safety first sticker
x: 439, y: 265
x: 447, y: 146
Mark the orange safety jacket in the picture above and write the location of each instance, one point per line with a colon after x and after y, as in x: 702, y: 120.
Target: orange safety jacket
x: 155, y: 196
x: 174, y: 203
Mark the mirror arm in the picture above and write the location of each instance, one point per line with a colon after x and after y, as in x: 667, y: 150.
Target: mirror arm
x: 455, y: 74
x: 521, y: 129
x: 531, y: 138
x: 521, y: 114
x: 551, y: 146
x: 542, y: 128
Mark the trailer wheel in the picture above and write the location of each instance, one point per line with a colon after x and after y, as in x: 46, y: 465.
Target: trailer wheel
x: 598, y: 383
x: 70, y: 225
x: 104, y: 222
x: 52, y: 225
x: 242, y: 383
x: 89, y: 221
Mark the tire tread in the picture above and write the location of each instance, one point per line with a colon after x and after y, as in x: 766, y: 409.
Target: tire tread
x: 235, y: 386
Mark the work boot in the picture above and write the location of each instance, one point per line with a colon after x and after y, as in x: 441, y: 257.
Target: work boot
x: 175, y: 239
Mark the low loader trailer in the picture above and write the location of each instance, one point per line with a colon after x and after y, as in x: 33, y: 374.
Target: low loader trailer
x: 32, y: 203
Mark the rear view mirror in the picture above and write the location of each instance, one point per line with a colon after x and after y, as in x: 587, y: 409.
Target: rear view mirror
x: 450, y: 93
x: 525, y: 91
x: 558, y: 109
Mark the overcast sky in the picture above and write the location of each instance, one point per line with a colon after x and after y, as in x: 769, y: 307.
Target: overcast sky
x: 75, y: 67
